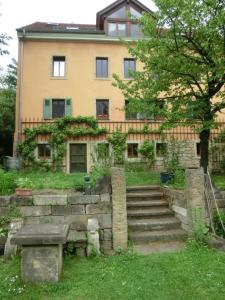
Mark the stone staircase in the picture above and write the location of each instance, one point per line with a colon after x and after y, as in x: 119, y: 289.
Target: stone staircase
x: 152, y: 226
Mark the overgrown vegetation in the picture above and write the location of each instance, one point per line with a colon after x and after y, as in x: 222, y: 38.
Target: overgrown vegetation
x: 59, y: 132
x: 7, y: 182
x: 6, y: 219
x: 217, y: 223
x: 118, y: 141
x: 147, y: 150
x: 191, y: 274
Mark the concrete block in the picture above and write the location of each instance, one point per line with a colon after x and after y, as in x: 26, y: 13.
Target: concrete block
x: 50, y: 200
x: 77, y: 209
x: 83, y: 199
x: 100, y: 208
x: 77, y: 236
x: 107, y: 235
x: 61, y: 210
x: 77, y: 222
x: 41, y: 264
x: 35, y: 211
x: 105, y: 198
x: 21, y: 201
x: 105, y: 221
x: 44, y: 220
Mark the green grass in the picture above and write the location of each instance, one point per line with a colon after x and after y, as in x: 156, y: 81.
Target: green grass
x: 142, y: 178
x: 186, y: 275
x: 53, y: 180
x: 219, y: 180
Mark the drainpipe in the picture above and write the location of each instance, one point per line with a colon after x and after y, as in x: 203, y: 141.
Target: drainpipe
x: 19, y: 124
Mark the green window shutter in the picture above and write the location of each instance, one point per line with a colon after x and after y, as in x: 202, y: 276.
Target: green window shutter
x: 47, y: 109
x: 68, y: 107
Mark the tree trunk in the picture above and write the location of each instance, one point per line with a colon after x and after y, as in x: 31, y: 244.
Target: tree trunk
x: 204, y: 146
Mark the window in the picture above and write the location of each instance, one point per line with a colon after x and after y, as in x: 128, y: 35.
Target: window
x: 161, y: 149
x: 129, y: 66
x: 58, y: 69
x: 57, y: 108
x: 119, y: 14
x: 44, y: 151
x: 117, y: 29
x: 132, y: 150
x: 135, y: 30
x: 129, y: 115
x: 101, y: 67
x: 198, y: 149
x: 134, y: 13
x: 102, y: 109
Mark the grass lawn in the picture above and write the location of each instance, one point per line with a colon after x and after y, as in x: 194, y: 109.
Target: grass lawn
x: 191, y: 274
x: 142, y: 178
x: 219, y: 180
x: 53, y: 180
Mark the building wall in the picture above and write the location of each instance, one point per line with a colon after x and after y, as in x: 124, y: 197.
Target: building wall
x: 80, y: 82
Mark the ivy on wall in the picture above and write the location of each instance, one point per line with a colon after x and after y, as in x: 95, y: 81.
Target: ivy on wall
x: 59, y: 132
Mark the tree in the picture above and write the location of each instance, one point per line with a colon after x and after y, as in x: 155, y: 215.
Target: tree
x: 183, y: 57
x: 7, y: 104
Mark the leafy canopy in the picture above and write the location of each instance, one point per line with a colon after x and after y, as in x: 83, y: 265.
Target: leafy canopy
x: 183, y: 58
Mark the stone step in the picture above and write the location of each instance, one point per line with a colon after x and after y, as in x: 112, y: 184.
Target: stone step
x: 148, y: 212
x: 140, y: 237
x: 144, y: 196
x: 153, y: 224
x: 141, y: 188
x: 147, y: 203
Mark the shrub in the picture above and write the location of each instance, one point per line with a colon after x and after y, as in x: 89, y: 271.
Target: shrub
x: 7, y: 182
x: 148, y: 152
x: 217, y: 223
x: 118, y: 141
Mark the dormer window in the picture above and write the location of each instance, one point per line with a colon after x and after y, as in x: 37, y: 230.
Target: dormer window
x: 122, y: 22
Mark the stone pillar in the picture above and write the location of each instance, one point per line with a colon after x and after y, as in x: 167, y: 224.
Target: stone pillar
x: 14, y: 227
x: 93, y: 247
x: 195, y: 198
x: 119, y: 206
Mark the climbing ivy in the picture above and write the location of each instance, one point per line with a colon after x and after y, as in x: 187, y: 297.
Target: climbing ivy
x: 118, y: 142
x: 59, y: 131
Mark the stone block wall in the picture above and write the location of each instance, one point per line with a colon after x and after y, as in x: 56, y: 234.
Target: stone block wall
x: 74, y: 209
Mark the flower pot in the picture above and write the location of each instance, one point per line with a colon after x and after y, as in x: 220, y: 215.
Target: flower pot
x: 165, y: 177
x: 23, y: 192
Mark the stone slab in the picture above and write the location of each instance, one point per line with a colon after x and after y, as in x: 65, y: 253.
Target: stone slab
x: 107, y: 235
x: 77, y: 236
x: 61, y: 210
x: 79, y: 222
x: 50, y: 200
x: 42, y: 234
x: 35, y: 211
x: 105, y: 198
x: 100, y: 208
x: 3, y: 211
x: 44, y: 220
x: 83, y: 199
x: 22, y: 201
x: 41, y: 264
x: 77, y: 209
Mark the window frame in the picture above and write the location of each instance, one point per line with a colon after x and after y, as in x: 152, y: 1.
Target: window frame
x: 137, y: 153
x: 44, y: 158
x: 96, y: 73
x: 126, y: 59
x: 55, y: 100
x: 157, y: 154
x: 107, y: 118
x: 52, y: 67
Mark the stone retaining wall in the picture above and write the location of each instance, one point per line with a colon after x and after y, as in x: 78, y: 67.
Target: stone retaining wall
x: 74, y: 209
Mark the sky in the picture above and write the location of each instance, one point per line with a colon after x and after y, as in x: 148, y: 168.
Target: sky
x: 17, y: 13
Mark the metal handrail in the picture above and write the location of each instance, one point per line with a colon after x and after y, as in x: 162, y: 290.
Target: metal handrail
x: 211, y: 202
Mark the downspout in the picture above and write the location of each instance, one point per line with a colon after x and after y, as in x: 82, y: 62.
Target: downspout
x: 20, y: 90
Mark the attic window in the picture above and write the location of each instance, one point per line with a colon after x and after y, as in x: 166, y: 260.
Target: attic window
x: 119, y: 14
x: 134, y: 13
x: 72, y: 28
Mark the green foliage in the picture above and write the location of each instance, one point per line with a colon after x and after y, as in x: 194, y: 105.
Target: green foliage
x: 217, y: 223
x: 199, y: 230
x: 183, y: 65
x: 171, y: 157
x: 147, y: 150
x: 6, y: 219
x: 7, y: 182
x: 97, y: 172
x: 59, y: 131
x: 144, y: 130
x: 118, y: 141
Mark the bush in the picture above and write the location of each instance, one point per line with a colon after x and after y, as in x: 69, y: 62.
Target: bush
x: 148, y: 152
x: 7, y: 182
x: 217, y: 223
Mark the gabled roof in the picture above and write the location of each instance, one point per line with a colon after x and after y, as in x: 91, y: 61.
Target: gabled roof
x: 102, y: 13
x: 60, y: 27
